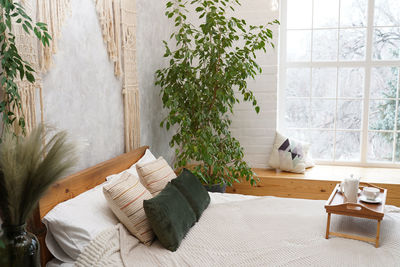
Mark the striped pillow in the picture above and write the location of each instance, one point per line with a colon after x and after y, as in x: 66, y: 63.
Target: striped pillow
x: 155, y: 175
x: 125, y: 197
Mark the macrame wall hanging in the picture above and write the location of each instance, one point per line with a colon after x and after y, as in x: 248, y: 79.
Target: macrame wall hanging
x: 118, y: 22
x: 52, y: 12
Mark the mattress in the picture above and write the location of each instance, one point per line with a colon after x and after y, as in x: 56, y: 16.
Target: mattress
x: 216, y: 198
x: 251, y: 231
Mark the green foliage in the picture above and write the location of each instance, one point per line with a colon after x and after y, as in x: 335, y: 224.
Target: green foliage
x: 13, y: 67
x: 27, y: 168
x: 207, y: 64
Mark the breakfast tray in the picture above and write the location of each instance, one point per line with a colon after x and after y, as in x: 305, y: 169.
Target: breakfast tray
x: 337, y: 204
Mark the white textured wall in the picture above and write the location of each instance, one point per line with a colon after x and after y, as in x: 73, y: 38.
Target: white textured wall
x: 152, y: 28
x: 81, y: 93
x: 256, y: 132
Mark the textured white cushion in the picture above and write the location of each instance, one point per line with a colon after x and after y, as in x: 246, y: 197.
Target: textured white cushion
x: 147, y: 157
x: 155, y: 175
x: 289, y: 154
x: 72, y: 224
x: 125, y: 197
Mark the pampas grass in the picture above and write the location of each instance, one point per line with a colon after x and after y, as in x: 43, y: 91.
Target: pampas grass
x: 28, y: 166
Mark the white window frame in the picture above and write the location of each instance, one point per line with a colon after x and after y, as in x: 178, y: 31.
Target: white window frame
x: 367, y: 64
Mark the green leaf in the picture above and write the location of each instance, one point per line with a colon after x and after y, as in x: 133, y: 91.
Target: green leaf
x: 30, y: 77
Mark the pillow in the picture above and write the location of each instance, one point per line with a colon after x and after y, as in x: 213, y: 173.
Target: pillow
x: 195, y: 193
x: 155, y: 175
x: 170, y: 216
x: 72, y: 224
x: 147, y: 157
x: 125, y: 197
x: 290, y: 155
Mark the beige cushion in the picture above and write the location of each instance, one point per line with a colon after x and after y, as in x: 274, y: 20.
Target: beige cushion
x: 155, y: 175
x: 125, y: 198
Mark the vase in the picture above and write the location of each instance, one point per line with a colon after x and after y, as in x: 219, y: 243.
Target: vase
x: 19, y: 247
x: 219, y: 188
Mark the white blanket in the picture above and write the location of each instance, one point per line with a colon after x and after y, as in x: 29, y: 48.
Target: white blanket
x: 258, y: 232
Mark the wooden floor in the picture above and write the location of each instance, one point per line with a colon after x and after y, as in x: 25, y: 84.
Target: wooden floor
x: 318, y: 182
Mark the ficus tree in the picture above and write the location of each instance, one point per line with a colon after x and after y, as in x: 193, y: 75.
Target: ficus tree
x: 12, y: 65
x: 211, y: 56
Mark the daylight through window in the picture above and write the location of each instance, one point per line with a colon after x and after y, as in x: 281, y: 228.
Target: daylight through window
x: 339, y: 78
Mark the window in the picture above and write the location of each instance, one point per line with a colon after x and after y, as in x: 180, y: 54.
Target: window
x: 339, y: 78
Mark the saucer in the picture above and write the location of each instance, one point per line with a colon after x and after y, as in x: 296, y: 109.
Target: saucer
x: 372, y: 201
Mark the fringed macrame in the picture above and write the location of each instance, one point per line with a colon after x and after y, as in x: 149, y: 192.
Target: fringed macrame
x: 53, y: 13
x: 118, y: 22
x: 109, y: 12
x: 130, y: 80
x: 27, y: 46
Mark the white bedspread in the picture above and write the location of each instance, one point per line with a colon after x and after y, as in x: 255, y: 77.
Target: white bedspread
x: 257, y: 232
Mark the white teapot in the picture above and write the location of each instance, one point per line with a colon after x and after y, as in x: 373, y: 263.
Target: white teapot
x: 349, y: 188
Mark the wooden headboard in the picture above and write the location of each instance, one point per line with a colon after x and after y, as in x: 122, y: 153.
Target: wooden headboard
x: 74, y: 185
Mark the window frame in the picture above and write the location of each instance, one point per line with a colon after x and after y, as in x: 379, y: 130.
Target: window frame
x: 368, y: 64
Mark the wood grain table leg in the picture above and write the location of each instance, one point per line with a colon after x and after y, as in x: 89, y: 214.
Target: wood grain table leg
x: 378, y: 228
x: 328, y: 223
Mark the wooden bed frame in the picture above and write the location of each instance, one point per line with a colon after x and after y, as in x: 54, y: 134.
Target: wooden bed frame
x: 74, y: 185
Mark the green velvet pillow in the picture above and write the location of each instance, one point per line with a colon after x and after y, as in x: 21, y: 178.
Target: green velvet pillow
x: 170, y: 216
x: 195, y: 193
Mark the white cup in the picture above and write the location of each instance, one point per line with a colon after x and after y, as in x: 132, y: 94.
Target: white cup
x: 371, y: 193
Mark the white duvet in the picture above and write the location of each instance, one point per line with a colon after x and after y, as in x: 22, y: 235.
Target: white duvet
x: 257, y: 232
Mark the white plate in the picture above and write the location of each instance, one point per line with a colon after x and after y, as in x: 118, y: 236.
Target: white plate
x: 372, y: 201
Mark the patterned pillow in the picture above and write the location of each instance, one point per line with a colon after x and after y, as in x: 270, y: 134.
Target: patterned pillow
x: 125, y: 197
x: 155, y: 175
x: 290, y: 155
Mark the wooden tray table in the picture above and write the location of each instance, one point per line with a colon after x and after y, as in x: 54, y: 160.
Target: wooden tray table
x: 337, y: 204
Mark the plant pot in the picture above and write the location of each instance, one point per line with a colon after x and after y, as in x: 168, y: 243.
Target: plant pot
x: 19, y: 247
x: 219, y: 188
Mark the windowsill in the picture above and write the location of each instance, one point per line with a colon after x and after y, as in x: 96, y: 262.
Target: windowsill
x: 337, y: 173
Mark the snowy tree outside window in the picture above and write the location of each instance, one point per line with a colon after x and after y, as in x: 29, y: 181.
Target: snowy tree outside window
x: 339, y: 78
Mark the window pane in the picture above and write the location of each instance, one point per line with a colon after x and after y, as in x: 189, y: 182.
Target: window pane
x: 348, y: 146
x: 353, y: 13
x: 322, y: 144
x: 351, y: 82
x: 352, y: 44
x: 397, y: 152
x: 349, y: 114
x: 380, y: 146
x: 324, y: 82
x: 382, y: 114
x: 298, y: 45
x: 323, y: 113
x: 299, y: 14
x: 386, y: 44
x: 387, y: 13
x: 384, y: 82
x: 298, y: 82
x: 326, y: 13
x: 325, y: 45
x: 297, y: 113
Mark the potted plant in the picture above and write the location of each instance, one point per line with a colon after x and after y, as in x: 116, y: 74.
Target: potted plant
x: 28, y: 166
x: 208, y: 63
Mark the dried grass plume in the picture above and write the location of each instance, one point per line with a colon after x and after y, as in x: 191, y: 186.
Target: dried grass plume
x: 28, y: 166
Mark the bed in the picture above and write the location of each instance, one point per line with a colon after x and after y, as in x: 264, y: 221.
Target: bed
x: 234, y: 230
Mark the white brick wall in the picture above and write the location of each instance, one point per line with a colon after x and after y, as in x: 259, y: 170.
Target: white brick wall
x: 256, y: 132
